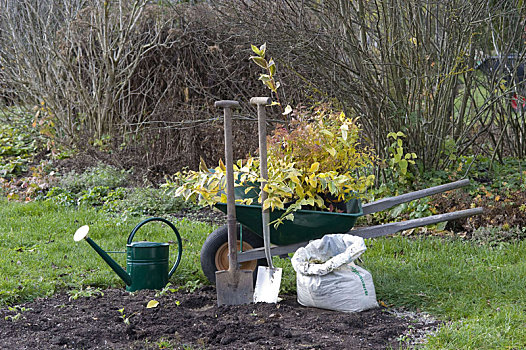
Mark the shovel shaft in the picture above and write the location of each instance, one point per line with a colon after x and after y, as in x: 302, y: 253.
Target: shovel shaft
x: 262, y: 132
x: 230, y: 199
x: 234, y: 286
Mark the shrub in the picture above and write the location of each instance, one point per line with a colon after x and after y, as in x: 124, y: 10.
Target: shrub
x: 320, y: 162
x: 145, y: 201
x: 495, y: 235
x: 101, y: 175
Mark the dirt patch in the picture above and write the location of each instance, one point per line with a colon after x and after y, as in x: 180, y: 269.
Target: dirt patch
x: 501, y: 207
x: 193, y: 320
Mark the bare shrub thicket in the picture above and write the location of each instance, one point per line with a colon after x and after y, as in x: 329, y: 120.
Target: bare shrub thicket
x: 132, y: 75
x: 498, y: 95
x: 404, y: 66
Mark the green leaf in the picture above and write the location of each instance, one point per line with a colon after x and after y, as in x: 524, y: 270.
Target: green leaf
x: 396, y: 211
x: 272, y: 67
x: 259, y: 61
x: 441, y: 226
x: 256, y: 50
x: 332, y: 187
x: 403, y: 166
x: 263, y: 49
x: 265, y: 78
x: 270, y: 85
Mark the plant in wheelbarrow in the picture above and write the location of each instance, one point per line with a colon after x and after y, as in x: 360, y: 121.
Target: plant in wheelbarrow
x: 315, y: 163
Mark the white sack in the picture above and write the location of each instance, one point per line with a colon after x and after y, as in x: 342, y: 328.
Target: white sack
x: 327, y: 278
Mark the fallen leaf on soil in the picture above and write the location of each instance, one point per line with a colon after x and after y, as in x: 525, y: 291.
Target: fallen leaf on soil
x: 152, y: 304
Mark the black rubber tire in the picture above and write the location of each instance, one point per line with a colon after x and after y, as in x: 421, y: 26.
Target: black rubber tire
x: 219, y: 237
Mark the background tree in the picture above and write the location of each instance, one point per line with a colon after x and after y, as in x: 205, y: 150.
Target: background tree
x: 143, y: 76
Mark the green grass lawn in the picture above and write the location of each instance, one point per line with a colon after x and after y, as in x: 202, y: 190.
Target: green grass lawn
x: 38, y: 256
x: 478, y: 291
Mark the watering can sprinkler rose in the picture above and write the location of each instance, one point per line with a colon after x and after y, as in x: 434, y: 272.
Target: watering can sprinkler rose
x: 146, y: 262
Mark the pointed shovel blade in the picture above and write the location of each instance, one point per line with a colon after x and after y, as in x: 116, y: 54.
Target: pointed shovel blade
x: 234, y: 287
x: 268, y: 283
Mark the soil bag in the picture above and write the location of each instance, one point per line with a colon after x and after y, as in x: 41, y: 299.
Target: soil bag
x: 327, y: 277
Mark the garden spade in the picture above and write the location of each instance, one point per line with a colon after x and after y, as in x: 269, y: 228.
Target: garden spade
x: 233, y: 286
x: 268, y: 280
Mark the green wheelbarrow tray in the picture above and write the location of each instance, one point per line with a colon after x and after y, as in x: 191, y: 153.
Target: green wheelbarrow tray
x: 306, y: 225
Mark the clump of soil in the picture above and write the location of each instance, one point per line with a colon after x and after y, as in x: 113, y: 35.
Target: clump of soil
x: 120, y: 320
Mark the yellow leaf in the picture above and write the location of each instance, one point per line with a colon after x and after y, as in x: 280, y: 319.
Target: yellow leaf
x: 295, y: 179
x: 152, y: 304
x: 331, y: 151
x: 344, y: 128
x: 314, y: 167
x: 327, y: 133
x: 222, y: 165
x: 299, y: 192
x: 202, y: 165
x: 289, y: 217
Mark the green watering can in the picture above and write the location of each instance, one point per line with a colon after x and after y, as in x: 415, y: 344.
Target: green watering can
x: 146, y: 262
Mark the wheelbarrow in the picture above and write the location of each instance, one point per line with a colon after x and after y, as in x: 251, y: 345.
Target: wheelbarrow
x: 308, y: 225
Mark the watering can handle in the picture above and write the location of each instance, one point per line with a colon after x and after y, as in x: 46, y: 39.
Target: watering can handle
x: 179, y: 241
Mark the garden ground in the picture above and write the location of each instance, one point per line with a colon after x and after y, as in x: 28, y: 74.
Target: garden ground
x: 420, y: 274
x: 192, y: 320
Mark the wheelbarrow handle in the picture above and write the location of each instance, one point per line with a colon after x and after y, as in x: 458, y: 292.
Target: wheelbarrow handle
x: 368, y: 232
x: 394, y: 227
x: 390, y: 202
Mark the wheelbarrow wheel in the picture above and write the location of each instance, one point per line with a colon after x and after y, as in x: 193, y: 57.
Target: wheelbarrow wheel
x: 214, y: 253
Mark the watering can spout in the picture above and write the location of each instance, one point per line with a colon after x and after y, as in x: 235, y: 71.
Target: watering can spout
x: 82, y: 233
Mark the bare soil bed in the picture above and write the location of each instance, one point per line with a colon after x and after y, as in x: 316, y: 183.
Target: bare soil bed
x: 192, y: 320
